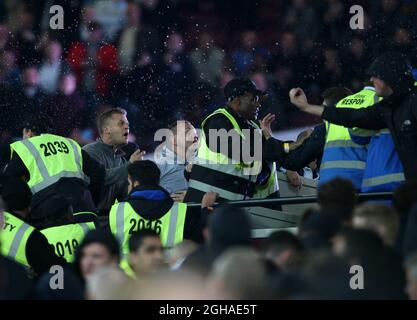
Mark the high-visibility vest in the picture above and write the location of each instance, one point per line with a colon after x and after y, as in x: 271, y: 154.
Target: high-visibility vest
x: 127, y: 269
x: 214, y: 171
x: 268, y: 188
x: 49, y: 158
x: 14, y: 237
x: 124, y: 220
x: 67, y: 238
x: 342, y: 157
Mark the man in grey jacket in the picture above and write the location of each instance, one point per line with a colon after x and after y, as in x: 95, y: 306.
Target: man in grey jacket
x: 113, y: 128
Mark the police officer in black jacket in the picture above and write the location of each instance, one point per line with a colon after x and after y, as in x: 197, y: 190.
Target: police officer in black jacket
x: 391, y: 75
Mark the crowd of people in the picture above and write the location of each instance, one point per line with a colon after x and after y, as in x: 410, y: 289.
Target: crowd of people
x: 314, y: 263
x: 164, y: 60
x: 105, y: 216
x: 121, y: 226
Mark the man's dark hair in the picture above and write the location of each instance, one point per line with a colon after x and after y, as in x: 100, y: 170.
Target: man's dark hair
x: 103, y: 237
x: 137, y: 238
x: 145, y: 172
x: 16, y: 194
x: 280, y: 241
x: 228, y: 227
x: 405, y: 196
x: 99, y: 236
x: 56, y: 210
x: 338, y: 196
x: 317, y: 230
x: 39, y: 123
x: 334, y: 94
x: 104, y: 117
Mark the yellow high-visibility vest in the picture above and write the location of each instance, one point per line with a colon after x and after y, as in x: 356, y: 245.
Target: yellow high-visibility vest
x: 206, y: 158
x: 49, y: 158
x: 67, y: 238
x: 14, y: 237
x: 124, y: 220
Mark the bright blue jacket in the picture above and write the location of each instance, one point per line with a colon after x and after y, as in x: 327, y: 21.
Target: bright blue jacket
x: 384, y: 170
x: 342, y: 157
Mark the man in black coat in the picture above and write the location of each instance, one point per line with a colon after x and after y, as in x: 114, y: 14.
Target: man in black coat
x: 392, y: 78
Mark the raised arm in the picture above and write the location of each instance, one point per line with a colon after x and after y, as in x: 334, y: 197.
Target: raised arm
x: 366, y: 118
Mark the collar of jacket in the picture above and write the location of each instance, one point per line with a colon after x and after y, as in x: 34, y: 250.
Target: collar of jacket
x: 118, y: 152
x: 395, y: 100
x: 402, y: 88
x: 155, y: 193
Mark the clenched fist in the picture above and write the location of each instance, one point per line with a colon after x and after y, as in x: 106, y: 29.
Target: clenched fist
x: 298, y: 98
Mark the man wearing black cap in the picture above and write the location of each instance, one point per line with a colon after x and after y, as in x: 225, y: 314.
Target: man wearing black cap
x: 391, y: 75
x: 229, y: 135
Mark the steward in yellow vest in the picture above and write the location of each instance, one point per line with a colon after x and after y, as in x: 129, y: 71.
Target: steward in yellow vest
x: 149, y: 206
x: 233, y: 146
x: 342, y: 157
x: 19, y: 240
x: 313, y: 147
x: 54, y: 164
x: 61, y: 229
x: 392, y: 77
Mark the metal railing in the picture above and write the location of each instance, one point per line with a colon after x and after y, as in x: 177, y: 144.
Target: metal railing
x: 294, y: 200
